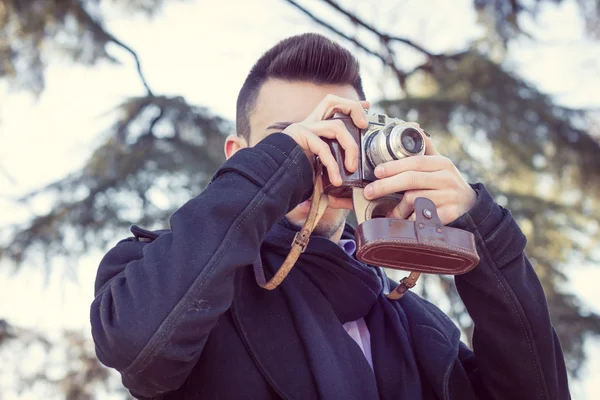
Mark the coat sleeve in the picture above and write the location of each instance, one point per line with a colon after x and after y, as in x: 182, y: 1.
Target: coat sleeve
x: 156, y: 302
x: 516, y: 352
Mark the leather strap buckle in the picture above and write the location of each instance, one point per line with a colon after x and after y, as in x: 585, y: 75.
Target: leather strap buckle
x: 301, y: 240
x: 409, y: 283
x: 404, y: 286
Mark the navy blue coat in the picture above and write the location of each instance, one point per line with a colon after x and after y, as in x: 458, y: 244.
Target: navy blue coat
x: 169, y: 316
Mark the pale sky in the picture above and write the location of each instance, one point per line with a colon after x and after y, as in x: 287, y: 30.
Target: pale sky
x: 203, y: 50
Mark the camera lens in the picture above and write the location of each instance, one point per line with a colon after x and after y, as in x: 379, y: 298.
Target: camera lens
x: 411, y: 140
x: 391, y: 142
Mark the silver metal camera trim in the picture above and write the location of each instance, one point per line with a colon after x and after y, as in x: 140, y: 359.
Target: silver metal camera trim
x: 378, y: 121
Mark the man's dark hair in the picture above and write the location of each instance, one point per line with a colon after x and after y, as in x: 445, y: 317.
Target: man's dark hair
x: 307, y: 58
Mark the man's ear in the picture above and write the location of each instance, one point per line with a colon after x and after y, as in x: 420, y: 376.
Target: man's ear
x: 233, y: 143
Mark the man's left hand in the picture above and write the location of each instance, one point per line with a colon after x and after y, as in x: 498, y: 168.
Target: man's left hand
x: 432, y: 176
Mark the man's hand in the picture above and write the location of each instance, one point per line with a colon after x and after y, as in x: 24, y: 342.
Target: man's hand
x: 432, y: 176
x: 308, y: 133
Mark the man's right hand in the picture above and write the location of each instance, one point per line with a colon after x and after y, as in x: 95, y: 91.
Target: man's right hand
x: 308, y: 133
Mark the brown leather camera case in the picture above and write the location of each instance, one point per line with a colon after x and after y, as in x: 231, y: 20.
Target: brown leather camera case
x: 422, y: 246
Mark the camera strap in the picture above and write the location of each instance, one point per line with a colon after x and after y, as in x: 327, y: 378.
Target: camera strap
x: 364, y: 212
x: 317, y: 208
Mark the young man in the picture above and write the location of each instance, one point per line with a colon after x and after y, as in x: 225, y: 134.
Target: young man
x: 179, y: 314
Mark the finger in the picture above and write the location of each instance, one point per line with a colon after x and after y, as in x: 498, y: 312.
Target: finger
x: 321, y: 150
x: 407, y: 205
x: 412, y: 217
x: 415, y: 163
x: 335, y: 129
x: 409, y: 180
x: 332, y: 104
x: 315, y: 145
x: 430, y: 149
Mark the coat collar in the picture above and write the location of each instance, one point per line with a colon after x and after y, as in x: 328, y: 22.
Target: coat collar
x: 258, y: 315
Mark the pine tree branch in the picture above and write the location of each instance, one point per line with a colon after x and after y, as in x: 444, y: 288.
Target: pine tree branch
x: 154, y: 121
x: 99, y: 30
x: 385, y: 38
x: 389, y: 60
x: 8, y: 176
x: 335, y: 30
x: 137, y: 62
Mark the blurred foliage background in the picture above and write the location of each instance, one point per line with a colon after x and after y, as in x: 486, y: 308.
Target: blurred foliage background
x: 540, y: 159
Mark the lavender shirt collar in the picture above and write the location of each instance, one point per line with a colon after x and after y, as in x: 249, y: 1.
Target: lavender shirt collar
x: 348, y: 245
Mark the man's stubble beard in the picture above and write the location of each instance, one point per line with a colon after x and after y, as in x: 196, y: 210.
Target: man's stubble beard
x: 326, y: 228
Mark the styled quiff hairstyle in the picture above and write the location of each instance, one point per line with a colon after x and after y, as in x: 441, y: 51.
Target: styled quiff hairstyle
x: 305, y: 58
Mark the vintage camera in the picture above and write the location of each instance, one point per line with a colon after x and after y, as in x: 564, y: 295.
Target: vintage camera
x: 385, y: 139
x: 422, y: 246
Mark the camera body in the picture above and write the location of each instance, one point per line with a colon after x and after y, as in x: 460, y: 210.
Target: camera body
x: 385, y: 139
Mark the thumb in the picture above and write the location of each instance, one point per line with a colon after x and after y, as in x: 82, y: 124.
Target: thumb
x: 430, y: 149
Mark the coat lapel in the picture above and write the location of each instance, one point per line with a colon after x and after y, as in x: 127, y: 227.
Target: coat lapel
x: 435, y: 342
x: 268, y: 331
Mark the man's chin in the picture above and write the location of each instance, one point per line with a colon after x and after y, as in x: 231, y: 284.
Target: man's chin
x: 329, y: 224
